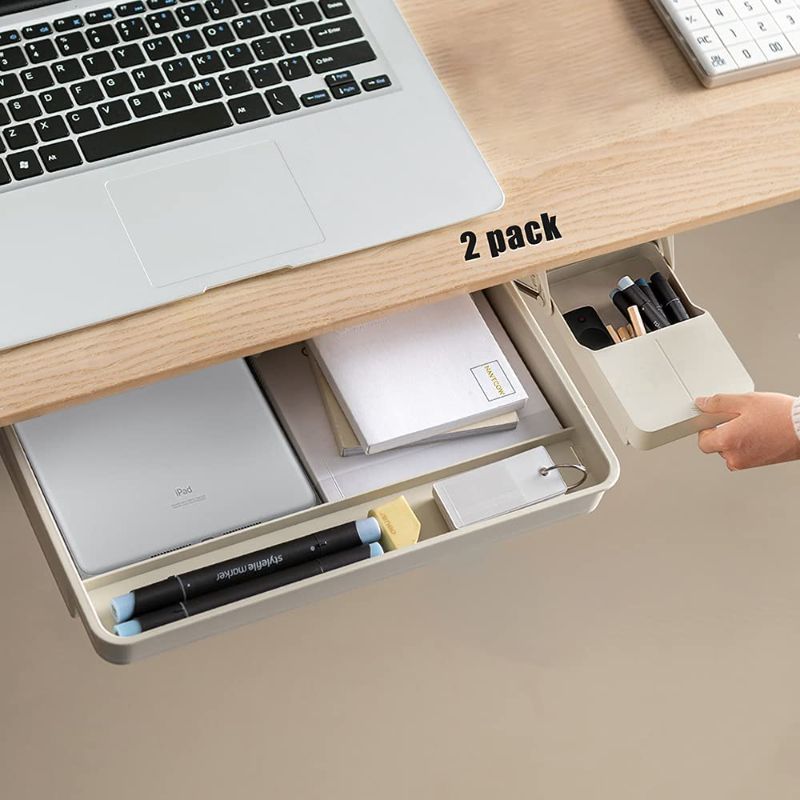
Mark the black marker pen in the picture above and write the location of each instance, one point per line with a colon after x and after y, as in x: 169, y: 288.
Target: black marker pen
x: 666, y: 294
x: 637, y: 297
x: 648, y: 290
x: 244, y: 568
x: 196, y: 605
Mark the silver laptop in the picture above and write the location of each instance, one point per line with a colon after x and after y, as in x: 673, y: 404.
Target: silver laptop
x: 161, y: 467
x: 153, y: 149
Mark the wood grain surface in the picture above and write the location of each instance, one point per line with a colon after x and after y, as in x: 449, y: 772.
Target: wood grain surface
x: 585, y: 110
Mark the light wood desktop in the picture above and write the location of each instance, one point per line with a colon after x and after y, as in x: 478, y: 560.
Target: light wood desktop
x: 584, y: 110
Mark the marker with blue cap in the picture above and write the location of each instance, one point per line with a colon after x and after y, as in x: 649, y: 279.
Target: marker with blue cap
x: 215, y: 577
x: 231, y: 594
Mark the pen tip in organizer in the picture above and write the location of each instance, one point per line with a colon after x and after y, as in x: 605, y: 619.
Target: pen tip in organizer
x: 129, y: 628
x: 369, y: 530
x: 375, y: 550
x: 122, y: 607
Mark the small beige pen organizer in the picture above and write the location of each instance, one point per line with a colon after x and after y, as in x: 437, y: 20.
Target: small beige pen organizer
x: 646, y: 385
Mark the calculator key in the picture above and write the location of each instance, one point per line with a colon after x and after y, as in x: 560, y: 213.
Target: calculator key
x: 114, y: 112
x: 720, y: 12
x: 316, y: 98
x: 22, y: 108
x: 5, y: 177
x: 691, y: 19
x: 144, y: 105
x: 68, y: 23
x: 61, y: 155
x: 776, y: 47
x: 733, y: 33
x: 348, y: 55
x: 178, y: 70
x: 794, y: 40
x: 68, y: 70
x: 51, y: 128
x: 707, y: 40
x: 281, y: 99
x: 55, y: 100
x: 762, y: 26
x: 99, y: 15
x: 19, y: 136
x: 748, y: 8
x: 129, y: 55
x: 717, y: 62
x: 24, y: 164
x: 788, y: 21
x: 775, y: 6
x: 264, y: 75
x: 40, y: 50
x: 9, y: 86
x: 36, y: 31
x: 98, y: 63
x: 748, y: 54
x: 174, y: 97
x: 339, y: 8
x: 12, y: 58
x: 9, y: 37
x: 266, y: 49
x: 36, y: 78
x: 205, y: 90
x: 248, y: 108
x: 378, y: 82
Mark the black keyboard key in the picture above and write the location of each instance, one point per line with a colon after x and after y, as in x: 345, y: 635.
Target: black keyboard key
x: 162, y: 22
x: 206, y: 63
x: 36, y: 31
x: 249, y: 6
x: 189, y: 41
x: 342, y: 76
x: 267, y: 49
x: 5, y: 119
x: 113, y: 113
x: 98, y: 63
x: 51, y: 128
x: 9, y: 86
x: 41, y: 50
x: 220, y: 9
x: 205, y: 89
x: 144, y: 105
x: 5, y: 177
x: 277, y: 20
x: 24, y: 164
x: 132, y: 29
x: 83, y: 120
x: 55, y: 100
x: 378, y: 82
x: 130, y: 55
x: 158, y: 49
x: 280, y: 2
x: 129, y: 9
x: 315, y: 98
x: 235, y: 82
x: 306, y: 13
x: 102, y: 36
x: 237, y: 55
x: 70, y: 44
x: 148, y: 77
x: 347, y: 55
x: 157, y: 130
x: 336, y: 32
x: 264, y: 75
x: 191, y: 15
x: 9, y: 37
x: 117, y: 84
x: 68, y: 71
x: 12, y: 58
x: 334, y: 8
x: 296, y: 41
x: 344, y: 90
x: 156, y: 4
x: 19, y: 136
x: 249, y: 108
x: 178, y: 70
x: 98, y: 16
x: 294, y: 68
x: 68, y: 23
x: 281, y: 99
x: 61, y: 155
x: 86, y: 92
x: 26, y: 107
x: 248, y: 27
x: 219, y: 34
x: 174, y: 97
x: 36, y: 78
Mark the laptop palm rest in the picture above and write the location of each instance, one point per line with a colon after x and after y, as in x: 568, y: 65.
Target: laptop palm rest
x: 214, y: 213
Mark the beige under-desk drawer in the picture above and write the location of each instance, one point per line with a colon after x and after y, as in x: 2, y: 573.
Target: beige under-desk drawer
x: 648, y: 384
x: 89, y: 598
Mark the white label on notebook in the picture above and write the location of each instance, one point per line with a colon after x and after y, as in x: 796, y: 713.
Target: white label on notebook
x: 493, y: 380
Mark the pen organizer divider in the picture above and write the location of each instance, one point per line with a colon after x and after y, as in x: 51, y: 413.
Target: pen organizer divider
x: 646, y: 384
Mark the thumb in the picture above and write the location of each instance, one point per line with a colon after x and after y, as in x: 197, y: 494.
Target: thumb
x: 721, y: 403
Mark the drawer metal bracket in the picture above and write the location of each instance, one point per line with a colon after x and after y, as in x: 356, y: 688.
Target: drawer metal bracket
x: 536, y: 286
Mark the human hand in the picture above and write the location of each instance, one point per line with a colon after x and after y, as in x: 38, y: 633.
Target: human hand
x: 762, y: 432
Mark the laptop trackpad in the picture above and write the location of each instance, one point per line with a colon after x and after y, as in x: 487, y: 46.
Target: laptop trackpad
x: 214, y: 213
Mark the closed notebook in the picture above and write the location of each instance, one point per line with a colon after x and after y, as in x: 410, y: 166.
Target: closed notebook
x: 412, y: 375
x: 350, y: 446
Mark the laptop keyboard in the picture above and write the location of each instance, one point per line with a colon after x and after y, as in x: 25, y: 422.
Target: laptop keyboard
x: 112, y: 81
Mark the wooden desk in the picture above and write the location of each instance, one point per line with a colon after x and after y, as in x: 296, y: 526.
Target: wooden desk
x: 584, y: 109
